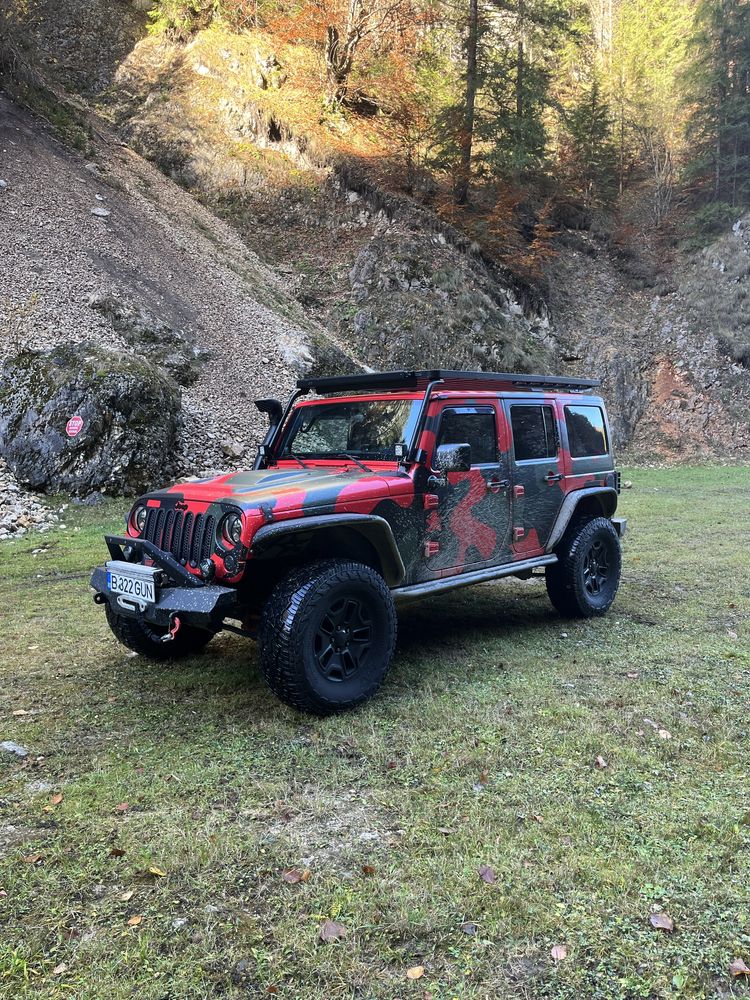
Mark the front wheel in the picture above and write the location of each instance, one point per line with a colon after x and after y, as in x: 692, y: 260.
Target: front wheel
x: 584, y: 581
x: 327, y: 636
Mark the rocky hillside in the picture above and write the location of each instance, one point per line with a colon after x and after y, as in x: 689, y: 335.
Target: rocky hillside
x: 104, y: 252
x: 401, y: 288
x: 210, y: 224
x: 670, y: 352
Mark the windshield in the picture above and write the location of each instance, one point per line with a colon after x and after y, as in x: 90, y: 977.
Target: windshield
x: 367, y: 428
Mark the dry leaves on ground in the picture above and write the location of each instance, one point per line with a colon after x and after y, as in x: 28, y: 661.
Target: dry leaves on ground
x: 662, y: 922
x: 416, y: 972
x: 331, y: 931
x: 487, y: 874
x: 294, y: 875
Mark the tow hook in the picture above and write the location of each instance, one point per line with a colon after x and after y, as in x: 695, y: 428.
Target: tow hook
x: 174, y: 628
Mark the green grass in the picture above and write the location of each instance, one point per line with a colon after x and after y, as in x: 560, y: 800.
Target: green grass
x: 481, y: 749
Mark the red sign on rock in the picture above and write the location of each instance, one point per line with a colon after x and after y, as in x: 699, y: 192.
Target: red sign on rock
x: 74, y: 426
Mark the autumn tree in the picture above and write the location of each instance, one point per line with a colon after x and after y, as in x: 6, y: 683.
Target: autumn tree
x: 643, y: 68
x: 344, y: 31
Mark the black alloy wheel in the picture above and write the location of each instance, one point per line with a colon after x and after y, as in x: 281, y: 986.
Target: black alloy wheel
x: 343, y: 639
x: 596, y: 568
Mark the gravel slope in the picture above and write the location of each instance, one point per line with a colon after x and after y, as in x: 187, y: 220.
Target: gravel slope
x: 72, y: 228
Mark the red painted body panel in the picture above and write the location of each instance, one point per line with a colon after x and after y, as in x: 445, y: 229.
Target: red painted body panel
x: 442, y: 527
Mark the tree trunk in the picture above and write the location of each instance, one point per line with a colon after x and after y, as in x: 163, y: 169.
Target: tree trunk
x: 467, y: 133
x: 520, y: 77
x: 339, y: 53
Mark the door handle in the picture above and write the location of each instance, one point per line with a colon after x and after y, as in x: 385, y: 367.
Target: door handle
x: 553, y: 477
x: 495, y: 485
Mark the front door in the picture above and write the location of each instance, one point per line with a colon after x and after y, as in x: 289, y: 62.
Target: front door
x: 469, y: 526
x: 537, y: 474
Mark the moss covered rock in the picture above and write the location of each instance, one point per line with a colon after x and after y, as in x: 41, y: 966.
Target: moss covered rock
x: 130, y: 413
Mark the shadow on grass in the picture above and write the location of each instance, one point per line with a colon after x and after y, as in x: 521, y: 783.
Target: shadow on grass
x: 434, y: 636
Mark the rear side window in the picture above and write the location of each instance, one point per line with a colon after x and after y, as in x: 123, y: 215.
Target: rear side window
x: 534, y: 434
x: 469, y: 425
x: 587, y: 434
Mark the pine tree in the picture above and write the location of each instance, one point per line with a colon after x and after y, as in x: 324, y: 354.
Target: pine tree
x: 591, y: 153
x: 521, y: 44
x: 719, y: 89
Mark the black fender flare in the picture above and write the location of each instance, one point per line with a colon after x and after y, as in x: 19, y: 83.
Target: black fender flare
x: 374, y: 529
x: 570, y: 504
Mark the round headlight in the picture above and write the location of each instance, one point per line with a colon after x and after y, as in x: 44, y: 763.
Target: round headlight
x: 231, y: 529
x: 138, y: 519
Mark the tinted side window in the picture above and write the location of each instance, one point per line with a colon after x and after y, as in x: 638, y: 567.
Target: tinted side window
x: 586, y: 431
x: 467, y: 425
x: 533, y: 432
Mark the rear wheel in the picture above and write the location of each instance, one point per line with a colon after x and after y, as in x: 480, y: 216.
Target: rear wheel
x: 327, y: 636
x: 584, y: 581
x: 138, y: 635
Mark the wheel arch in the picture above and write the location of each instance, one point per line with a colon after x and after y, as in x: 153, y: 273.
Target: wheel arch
x: 598, y: 501
x: 365, y: 538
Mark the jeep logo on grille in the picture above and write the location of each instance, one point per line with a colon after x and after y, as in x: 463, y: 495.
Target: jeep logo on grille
x: 180, y: 505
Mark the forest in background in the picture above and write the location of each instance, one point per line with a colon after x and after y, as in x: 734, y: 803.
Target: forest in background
x: 512, y: 118
x: 510, y: 115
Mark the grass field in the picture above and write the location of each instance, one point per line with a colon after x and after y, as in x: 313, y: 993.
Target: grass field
x: 180, y: 795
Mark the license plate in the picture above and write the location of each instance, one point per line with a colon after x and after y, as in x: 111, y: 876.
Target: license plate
x: 139, y: 586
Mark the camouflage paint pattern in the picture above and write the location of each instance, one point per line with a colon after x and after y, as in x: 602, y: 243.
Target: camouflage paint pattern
x: 443, y: 525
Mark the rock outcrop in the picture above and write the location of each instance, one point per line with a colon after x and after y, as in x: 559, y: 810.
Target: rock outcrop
x: 127, y: 410
x: 172, y: 349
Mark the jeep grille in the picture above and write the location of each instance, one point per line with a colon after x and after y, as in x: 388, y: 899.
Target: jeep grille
x: 189, y: 537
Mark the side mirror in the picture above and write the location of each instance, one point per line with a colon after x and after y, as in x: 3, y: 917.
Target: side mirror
x: 453, y: 458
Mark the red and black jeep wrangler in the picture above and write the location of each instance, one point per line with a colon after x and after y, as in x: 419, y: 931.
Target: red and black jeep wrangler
x: 381, y: 488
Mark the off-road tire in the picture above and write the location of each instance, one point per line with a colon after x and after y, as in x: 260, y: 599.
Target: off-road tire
x: 298, y: 628
x: 138, y: 635
x: 573, y: 588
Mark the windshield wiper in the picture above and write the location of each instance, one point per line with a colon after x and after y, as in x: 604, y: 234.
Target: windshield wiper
x: 299, y: 461
x: 356, y: 461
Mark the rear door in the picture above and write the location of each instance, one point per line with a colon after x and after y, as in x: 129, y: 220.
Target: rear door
x: 470, y: 526
x: 537, y: 472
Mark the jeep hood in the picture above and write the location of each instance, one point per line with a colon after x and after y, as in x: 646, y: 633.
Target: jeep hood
x: 288, y: 489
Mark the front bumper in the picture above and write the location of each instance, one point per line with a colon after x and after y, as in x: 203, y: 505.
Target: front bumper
x: 204, y: 605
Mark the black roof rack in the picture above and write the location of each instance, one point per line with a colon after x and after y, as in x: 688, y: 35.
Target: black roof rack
x: 410, y: 380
